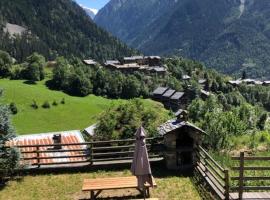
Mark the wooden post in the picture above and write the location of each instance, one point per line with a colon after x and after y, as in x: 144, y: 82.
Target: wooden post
x: 227, y: 184
x: 38, y: 160
x: 91, y: 153
x: 241, y: 175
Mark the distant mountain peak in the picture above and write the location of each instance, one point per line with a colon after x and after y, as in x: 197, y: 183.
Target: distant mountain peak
x: 90, y: 11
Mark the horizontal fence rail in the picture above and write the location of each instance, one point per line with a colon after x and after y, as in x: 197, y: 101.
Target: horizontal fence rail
x: 214, y: 175
x: 242, y: 178
x: 84, y: 153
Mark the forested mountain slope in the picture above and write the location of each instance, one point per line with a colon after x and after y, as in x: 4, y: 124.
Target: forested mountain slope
x: 227, y: 35
x: 54, y: 28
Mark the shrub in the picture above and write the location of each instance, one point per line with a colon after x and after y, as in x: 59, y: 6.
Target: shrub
x: 46, y: 105
x: 54, y: 103
x: 13, y: 108
x: 34, y: 105
x: 63, y: 101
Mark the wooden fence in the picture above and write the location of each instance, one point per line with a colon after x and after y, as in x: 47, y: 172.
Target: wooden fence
x: 84, y: 153
x: 243, y: 179
x: 216, y: 177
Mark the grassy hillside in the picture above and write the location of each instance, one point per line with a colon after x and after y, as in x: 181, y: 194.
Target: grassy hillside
x: 68, y: 186
x: 76, y: 113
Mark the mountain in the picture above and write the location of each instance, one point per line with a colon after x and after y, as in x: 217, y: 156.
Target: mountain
x: 54, y: 28
x: 228, y: 35
x: 90, y: 11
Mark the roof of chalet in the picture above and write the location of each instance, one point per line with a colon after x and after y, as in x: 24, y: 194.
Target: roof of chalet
x: 155, y: 68
x: 204, y: 92
x: 235, y: 82
x: 111, y: 62
x: 133, y: 58
x: 185, y: 77
x: 90, y: 130
x: 160, y: 90
x: 179, y: 112
x: 177, y: 95
x: 169, y: 93
x: 67, y: 137
x: 174, y: 124
x: 266, y: 82
x: 252, y: 81
x: 153, y: 57
x: 202, y: 81
x: 90, y: 62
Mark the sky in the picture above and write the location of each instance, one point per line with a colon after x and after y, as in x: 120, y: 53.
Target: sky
x: 93, y: 4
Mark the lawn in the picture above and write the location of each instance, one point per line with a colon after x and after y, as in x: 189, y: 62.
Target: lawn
x: 77, y: 112
x: 68, y: 186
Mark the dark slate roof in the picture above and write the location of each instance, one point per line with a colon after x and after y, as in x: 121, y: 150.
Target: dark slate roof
x: 174, y: 124
x: 160, y: 90
x: 177, y: 95
x: 169, y: 93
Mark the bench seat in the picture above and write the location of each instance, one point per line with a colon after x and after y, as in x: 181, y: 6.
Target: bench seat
x: 99, y: 184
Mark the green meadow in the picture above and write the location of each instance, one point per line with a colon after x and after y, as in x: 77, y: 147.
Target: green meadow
x: 76, y: 113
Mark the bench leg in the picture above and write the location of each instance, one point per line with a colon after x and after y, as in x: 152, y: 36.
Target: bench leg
x: 147, y: 192
x: 92, y: 196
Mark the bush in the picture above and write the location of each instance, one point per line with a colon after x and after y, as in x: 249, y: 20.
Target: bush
x: 54, y: 103
x: 34, y: 105
x: 63, y: 101
x: 122, y: 121
x: 13, y: 108
x: 46, y: 105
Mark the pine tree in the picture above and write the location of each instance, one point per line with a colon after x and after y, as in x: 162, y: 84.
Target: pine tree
x: 8, y: 156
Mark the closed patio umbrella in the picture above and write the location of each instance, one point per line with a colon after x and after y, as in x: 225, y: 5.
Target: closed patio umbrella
x: 140, y: 166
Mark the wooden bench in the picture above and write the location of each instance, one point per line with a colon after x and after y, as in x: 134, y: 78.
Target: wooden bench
x: 96, y: 186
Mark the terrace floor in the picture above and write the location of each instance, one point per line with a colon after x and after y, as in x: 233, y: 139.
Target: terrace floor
x: 67, y: 186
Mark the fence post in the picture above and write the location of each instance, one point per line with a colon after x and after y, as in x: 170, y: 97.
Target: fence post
x: 227, y: 184
x: 241, y: 175
x: 38, y: 160
x: 91, y: 153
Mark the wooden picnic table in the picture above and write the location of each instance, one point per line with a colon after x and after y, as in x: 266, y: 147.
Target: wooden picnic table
x: 96, y: 186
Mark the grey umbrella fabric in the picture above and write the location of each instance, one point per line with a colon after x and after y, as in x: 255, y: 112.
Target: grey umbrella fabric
x: 140, y: 166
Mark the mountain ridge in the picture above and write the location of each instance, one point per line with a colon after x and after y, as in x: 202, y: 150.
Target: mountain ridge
x: 228, y: 35
x: 56, y: 28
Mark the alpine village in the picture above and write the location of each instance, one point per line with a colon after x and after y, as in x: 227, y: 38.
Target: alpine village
x: 134, y: 99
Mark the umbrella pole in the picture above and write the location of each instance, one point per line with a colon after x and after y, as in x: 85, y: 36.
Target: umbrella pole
x: 144, y: 191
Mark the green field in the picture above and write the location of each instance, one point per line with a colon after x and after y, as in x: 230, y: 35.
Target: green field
x: 76, y: 113
x: 68, y: 187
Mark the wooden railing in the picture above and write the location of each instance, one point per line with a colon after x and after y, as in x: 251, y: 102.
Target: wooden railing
x: 216, y: 177
x: 243, y: 179
x: 84, y: 153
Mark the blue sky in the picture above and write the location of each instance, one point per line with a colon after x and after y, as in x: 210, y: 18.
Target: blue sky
x: 96, y: 4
